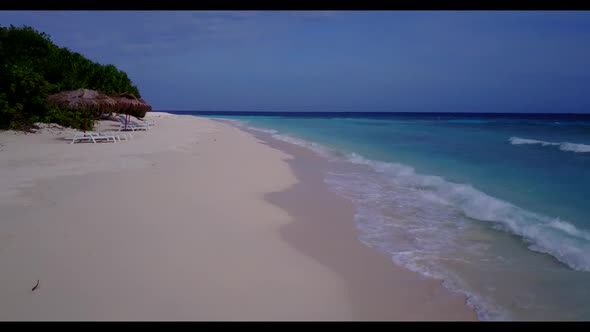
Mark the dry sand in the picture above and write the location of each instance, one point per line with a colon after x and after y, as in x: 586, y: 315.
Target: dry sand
x: 193, y: 220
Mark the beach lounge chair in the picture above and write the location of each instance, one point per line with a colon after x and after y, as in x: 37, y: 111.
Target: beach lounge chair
x: 94, y: 137
x: 150, y: 123
x: 118, y: 135
x: 143, y: 122
x: 133, y: 126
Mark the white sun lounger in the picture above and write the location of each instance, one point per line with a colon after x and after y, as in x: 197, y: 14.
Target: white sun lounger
x: 118, y: 135
x: 94, y: 137
x: 143, y: 122
x: 133, y: 126
x: 150, y: 122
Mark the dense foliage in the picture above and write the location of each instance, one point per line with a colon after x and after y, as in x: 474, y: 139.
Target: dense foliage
x: 32, y: 67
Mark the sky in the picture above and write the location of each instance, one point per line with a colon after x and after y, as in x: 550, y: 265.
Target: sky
x: 448, y: 61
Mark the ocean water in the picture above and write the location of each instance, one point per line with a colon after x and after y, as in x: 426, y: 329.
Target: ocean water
x: 495, y: 205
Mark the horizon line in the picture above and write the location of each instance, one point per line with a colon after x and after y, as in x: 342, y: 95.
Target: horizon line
x: 372, y: 112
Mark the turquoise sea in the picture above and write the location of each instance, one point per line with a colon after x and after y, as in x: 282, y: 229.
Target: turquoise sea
x: 496, y: 205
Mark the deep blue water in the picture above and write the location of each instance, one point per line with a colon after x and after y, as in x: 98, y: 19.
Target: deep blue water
x: 497, y: 205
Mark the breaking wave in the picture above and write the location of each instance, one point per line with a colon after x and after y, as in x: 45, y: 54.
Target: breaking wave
x: 564, y: 146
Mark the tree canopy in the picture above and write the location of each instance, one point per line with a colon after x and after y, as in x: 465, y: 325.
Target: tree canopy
x: 32, y: 67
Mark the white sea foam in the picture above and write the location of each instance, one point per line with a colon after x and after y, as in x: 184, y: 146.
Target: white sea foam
x: 518, y: 141
x: 235, y: 122
x: 318, y: 148
x: 574, y: 147
x: 262, y: 130
x: 553, y: 236
x: 225, y: 119
x: 558, y: 238
x: 564, y: 146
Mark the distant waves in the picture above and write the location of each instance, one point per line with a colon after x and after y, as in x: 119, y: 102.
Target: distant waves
x: 564, y: 146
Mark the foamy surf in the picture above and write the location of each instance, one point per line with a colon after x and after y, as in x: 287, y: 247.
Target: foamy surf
x: 558, y: 238
x: 318, y: 148
x: 553, y: 236
x: 564, y: 146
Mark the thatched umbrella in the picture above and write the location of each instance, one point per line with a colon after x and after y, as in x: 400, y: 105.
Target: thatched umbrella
x: 127, y: 102
x: 82, y: 99
x: 146, y: 106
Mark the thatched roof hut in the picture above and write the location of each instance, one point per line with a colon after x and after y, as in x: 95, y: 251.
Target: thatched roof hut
x: 82, y: 99
x: 128, y: 102
x: 93, y: 101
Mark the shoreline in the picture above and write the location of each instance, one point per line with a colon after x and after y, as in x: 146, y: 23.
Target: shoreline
x: 195, y: 220
x: 323, y: 229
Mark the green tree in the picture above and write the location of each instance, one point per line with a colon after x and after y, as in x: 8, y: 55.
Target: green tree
x: 23, y: 97
x: 32, y: 66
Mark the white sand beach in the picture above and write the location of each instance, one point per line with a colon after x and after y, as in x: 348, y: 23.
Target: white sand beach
x: 193, y: 220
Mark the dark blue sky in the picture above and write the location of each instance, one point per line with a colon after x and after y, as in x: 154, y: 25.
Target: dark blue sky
x: 338, y: 61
